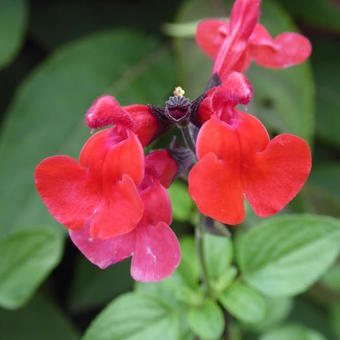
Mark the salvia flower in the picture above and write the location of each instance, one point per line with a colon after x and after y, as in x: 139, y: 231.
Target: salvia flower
x: 152, y: 244
x: 234, y: 44
x: 236, y: 159
x: 113, y: 200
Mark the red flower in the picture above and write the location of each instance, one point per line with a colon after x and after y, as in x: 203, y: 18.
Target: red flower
x: 233, y: 45
x: 100, y: 189
x: 152, y: 244
x: 237, y: 159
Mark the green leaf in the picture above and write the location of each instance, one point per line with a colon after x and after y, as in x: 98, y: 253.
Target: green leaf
x: 293, y: 332
x: 47, y: 115
x: 283, y: 99
x: 39, y: 320
x: 218, y: 252
x: 332, y: 278
x: 206, y: 321
x: 135, y: 316
x: 189, y: 268
x: 26, y: 259
x: 243, y: 302
x: 182, y: 205
x: 283, y: 256
x: 276, y: 311
x: 92, y: 287
x: 13, y: 15
x: 177, y: 296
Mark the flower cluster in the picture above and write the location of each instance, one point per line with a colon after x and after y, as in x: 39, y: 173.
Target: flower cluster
x: 114, y: 199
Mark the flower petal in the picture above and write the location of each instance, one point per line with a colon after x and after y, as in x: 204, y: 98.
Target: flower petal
x: 120, y: 211
x: 219, y: 138
x: 210, y: 35
x: 106, y: 111
x: 145, y: 125
x: 157, y: 253
x: 124, y: 158
x: 67, y: 190
x: 235, y: 90
x: 93, y: 153
x: 277, y: 175
x: 103, y: 253
x: 243, y: 18
x: 215, y: 187
x: 157, y: 204
x: 285, y: 50
x: 252, y: 134
x: 161, y: 165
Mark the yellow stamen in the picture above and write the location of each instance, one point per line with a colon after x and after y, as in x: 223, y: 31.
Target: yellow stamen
x: 179, y: 92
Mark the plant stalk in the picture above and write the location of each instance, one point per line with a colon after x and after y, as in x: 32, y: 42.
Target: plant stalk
x: 200, y: 251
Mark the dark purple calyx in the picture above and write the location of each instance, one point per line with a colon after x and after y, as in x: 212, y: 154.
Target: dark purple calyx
x: 178, y: 110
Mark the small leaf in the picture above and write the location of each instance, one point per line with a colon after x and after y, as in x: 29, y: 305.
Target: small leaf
x: 135, y: 316
x: 225, y: 280
x: 218, y: 252
x: 243, y: 302
x: 182, y: 205
x: 283, y: 256
x: 13, y: 14
x: 189, y: 268
x: 26, y: 259
x: 206, y: 321
x: 39, y: 320
x: 293, y: 332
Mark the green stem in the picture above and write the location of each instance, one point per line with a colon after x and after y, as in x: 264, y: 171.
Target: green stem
x: 200, y: 250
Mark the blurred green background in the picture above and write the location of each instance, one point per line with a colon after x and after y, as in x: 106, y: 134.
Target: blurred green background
x: 56, y: 57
